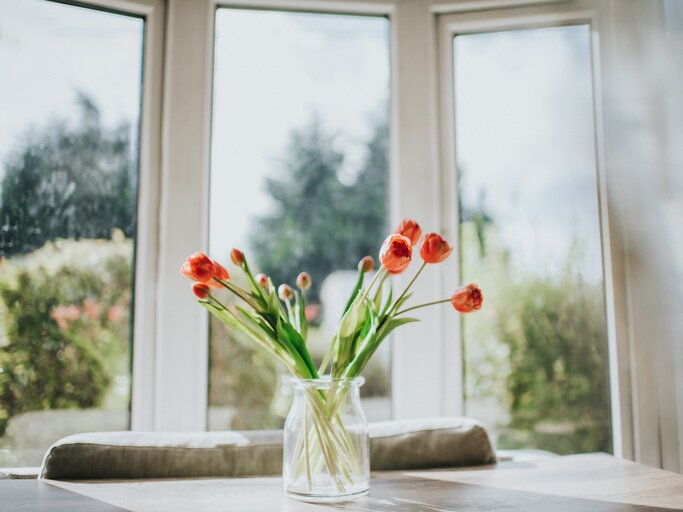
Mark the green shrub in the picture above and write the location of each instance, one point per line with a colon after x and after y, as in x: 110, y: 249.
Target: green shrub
x: 64, y: 311
x: 537, y: 354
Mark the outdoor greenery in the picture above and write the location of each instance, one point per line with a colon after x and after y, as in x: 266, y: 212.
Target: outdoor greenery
x: 68, y: 180
x: 538, y: 355
x: 64, y: 304
x: 64, y: 317
x: 318, y: 223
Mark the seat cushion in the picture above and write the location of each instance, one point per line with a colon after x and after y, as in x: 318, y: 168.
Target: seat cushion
x: 406, y: 444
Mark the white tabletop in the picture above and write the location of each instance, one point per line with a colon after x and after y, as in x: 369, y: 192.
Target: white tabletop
x: 572, y: 483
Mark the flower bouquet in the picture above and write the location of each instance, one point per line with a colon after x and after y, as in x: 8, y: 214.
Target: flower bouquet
x: 326, y: 441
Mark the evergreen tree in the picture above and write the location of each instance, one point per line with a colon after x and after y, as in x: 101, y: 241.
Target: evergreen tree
x: 318, y: 223
x: 68, y: 182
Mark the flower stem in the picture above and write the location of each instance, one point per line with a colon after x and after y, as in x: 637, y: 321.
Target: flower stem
x: 422, y: 306
x: 242, y: 294
x: 412, y: 281
x: 383, y: 272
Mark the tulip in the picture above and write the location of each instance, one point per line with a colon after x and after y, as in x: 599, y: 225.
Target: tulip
x: 303, y: 281
x: 467, y: 299
x: 237, y: 257
x: 411, y: 229
x: 367, y: 264
x: 198, y: 267
x: 434, y: 248
x: 201, y: 290
x: 262, y: 280
x: 219, y: 271
x: 285, y: 292
x: 396, y: 253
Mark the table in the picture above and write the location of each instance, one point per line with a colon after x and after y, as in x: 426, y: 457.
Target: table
x: 575, y: 483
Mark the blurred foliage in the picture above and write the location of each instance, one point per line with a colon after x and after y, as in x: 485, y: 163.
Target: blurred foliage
x: 317, y: 223
x: 64, y: 316
x: 243, y: 377
x: 537, y: 354
x: 68, y: 181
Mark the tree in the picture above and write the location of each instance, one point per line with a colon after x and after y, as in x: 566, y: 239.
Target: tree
x: 68, y: 182
x: 317, y: 223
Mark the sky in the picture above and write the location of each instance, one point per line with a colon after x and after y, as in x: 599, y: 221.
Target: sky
x: 49, y: 52
x: 275, y: 72
x: 525, y: 143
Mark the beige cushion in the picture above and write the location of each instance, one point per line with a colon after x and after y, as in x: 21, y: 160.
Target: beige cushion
x: 408, y: 444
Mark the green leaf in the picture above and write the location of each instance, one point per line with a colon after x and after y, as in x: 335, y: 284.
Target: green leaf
x: 219, y: 313
x: 378, y: 298
x: 256, y: 291
x: 353, y: 319
x: 387, y: 304
x: 288, y: 335
x: 356, y: 290
x: 257, y: 322
x: 393, y: 324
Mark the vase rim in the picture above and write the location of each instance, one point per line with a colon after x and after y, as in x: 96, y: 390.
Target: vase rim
x: 327, y: 382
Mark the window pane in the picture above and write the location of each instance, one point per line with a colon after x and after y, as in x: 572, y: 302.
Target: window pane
x: 298, y: 182
x: 536, y: 360
x: 69, y: 97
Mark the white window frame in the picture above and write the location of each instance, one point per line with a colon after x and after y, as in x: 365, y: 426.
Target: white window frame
x: 524, y: 17
x: 170, y: 359
x: 146, y: 243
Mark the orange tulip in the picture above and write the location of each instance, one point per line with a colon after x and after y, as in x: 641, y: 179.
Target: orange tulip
x: 237, y: 257
x: 201, y: 290
x: 366, y: 264
x: 411, y: 229
x: 198, y: 267
x: 434, y: 248
x: 303, y: 281
x: 396, y: 253
x: 285, y: 292
x: 467, y: 299
x: 219, y: 272
x: 261, y: 280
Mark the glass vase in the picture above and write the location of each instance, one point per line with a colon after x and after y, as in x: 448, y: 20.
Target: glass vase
x: 326, y: 451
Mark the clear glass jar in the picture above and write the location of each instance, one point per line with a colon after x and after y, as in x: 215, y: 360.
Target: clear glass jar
x: 326, y: 450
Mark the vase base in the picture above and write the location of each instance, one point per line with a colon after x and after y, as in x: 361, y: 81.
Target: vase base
x: 326, y: 498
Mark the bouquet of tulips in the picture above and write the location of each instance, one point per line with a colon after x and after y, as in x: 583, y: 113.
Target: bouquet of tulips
x: 274, y: 317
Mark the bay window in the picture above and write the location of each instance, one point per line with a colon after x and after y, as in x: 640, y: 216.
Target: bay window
x: 487, y: 121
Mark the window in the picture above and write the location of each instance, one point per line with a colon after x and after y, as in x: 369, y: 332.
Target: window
x: 298, y: 181
x: 70, y: 101
x: 536, y: 360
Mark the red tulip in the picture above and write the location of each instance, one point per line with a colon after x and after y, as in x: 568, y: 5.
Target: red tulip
x: 201, y: 290
x: 467, y: 299
x: 285, y: 292
x: 366, y: 264
x: 411, y: 229
x: 219, y: 272
x: 434, y: 248
x: 261, y: 280
x: 396, y: 253
x: 198, y: 267
x: 303, y: 281
x: 237, y: 257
